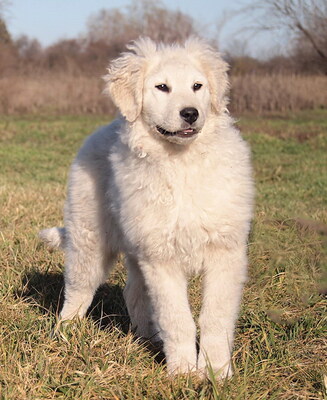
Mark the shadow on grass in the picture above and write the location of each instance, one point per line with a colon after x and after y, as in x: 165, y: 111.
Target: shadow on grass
x: 108, y: 309
x: 46, y: 290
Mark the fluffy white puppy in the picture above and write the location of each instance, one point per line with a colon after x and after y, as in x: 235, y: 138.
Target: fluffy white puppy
x: 169, y: 184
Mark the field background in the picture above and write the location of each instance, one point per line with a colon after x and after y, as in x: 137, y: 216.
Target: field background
x: 50, y: 100
x: 280, y: 350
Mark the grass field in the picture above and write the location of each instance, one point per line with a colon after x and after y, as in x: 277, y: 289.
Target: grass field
x: 280, y: 350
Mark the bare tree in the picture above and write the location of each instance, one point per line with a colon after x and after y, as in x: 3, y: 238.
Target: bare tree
x: 5, y: 37
x: 303, y: 21
x: 145, y: 17
x: 151, y: 18
x: 108, y: 26
x: 8, y: 54
x: 28, y: 48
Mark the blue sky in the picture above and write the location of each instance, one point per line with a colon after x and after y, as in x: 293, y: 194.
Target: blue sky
x: 51, y: 20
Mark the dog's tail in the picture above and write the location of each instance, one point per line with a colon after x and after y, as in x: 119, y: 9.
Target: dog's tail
x: 53, y: 237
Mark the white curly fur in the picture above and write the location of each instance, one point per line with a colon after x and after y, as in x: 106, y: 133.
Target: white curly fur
x: 174, y: 205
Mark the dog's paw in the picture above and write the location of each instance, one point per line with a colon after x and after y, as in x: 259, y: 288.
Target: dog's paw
x: 218, y: 371
x: 181, y: 363
x: 182, y: 367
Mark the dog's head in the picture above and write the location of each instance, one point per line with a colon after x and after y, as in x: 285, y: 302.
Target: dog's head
x: 172, y: 88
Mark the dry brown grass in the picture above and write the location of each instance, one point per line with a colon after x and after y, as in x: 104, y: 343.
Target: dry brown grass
x: 60, y: 93
x: 53, y: 93
x: 262, y: 93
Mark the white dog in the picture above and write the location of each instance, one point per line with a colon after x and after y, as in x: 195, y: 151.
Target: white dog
x: 170, y: 185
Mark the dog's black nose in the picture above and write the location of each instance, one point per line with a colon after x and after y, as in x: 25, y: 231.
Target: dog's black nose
x: 189, y: 114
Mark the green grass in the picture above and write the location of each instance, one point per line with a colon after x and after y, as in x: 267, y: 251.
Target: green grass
x: 280, y: 350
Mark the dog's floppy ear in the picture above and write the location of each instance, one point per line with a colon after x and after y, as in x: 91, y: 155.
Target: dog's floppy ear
x: 124, y: 84
x: 215, y: 69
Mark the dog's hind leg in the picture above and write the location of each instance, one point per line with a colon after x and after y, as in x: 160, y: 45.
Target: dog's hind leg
x: 88, y: 253
x: 85, y: 272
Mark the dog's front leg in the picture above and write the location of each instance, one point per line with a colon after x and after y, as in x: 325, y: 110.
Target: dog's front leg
x: 224, y: 277
x: 168, y: 293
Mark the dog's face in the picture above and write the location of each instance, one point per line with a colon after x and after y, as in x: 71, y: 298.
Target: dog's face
x: 176, y: 100
x: 173, y: 89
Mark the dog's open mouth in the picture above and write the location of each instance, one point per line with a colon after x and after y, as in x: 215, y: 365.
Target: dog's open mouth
x: 185, y: 133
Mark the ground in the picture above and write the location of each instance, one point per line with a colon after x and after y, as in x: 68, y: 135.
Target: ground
x: 280, y: 347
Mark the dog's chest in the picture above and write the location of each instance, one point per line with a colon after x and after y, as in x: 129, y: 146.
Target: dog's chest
x: 177, y: 209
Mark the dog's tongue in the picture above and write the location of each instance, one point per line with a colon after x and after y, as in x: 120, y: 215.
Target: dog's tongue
x: 186, y: 132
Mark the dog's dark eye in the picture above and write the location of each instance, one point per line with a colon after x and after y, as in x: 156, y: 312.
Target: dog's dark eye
x: 163, y: 87
x: 197, y: 86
